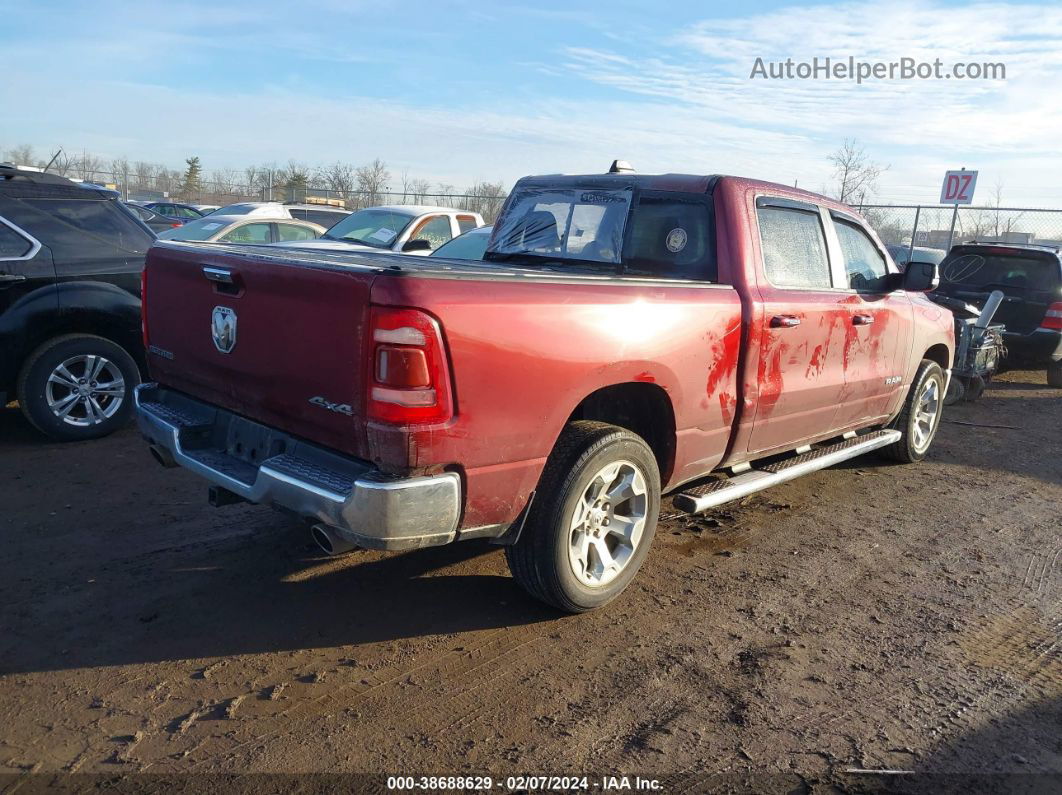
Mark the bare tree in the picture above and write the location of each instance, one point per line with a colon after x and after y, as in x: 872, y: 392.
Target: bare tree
x: 445, y: 189
x: 340, y: 178
x: 253, y: 175
x: 21, y: 155
x: 64, y: 165
x: 120, y: 174
x: 87, y: 166
x: 855, y: 175
x: 1003, y: 225
x: 143, y: 174
x: 372, y: 180
x: 224, y: 181
x: 486, y: 198
x: 420, y: 189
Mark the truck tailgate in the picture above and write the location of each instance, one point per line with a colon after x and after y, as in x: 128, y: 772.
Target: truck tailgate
x: 296, y: 332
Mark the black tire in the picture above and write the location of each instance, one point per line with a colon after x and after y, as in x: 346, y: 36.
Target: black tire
x: 1054, y: 375
x: 540, y: 561
x: 907, y: 448
x: 975, y: 389
x: 956, y: 392
x: 33, y: 388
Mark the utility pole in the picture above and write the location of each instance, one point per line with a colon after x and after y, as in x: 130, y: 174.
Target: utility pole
x: 954, y: 217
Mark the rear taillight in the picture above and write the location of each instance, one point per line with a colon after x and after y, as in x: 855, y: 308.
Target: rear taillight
x: 143, y: 307
x: 1053, y: 318
x: 409, y: 381
x: 175, y: 226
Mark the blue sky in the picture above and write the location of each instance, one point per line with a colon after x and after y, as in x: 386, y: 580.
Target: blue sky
x: 462, y: 91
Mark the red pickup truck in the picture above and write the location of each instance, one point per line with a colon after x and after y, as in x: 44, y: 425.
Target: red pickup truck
x: 626, y: 336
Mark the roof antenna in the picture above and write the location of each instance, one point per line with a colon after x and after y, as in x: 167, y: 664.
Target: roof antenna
x: 620, y: 167
x: 53, y: 159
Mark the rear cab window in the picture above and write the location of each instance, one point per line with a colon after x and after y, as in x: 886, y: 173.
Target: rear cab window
x: 625, y: 231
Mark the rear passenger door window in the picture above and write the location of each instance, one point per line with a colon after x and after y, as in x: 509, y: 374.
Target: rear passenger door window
x: 248, y: 233
x: 466, y: 223
x: 864, y: 265
x: 294, y: 232
x: 794, y: 245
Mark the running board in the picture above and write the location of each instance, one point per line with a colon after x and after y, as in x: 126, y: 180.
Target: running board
x: 701, y: 498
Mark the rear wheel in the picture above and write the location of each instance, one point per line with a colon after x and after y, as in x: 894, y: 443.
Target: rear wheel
x: 593, y: 518
x: 919, y: 418
x: 1054, y: 375
x: 77, y: 387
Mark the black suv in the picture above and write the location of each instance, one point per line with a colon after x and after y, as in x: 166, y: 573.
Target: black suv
x: 1030, y: 277
x: 70, y: 263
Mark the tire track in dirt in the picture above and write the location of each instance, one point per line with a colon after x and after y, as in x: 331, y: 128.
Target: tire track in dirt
x: 451, y: 666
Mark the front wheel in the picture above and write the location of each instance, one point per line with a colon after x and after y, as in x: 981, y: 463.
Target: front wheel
x: 592, y: 520
x: 77, y: 387
x: 919, y: 418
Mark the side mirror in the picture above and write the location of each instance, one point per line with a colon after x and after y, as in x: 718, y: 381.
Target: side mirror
x: 416, y: 244
x: 921, y: 277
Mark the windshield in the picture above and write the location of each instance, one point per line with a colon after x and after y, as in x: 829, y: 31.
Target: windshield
x: 990, y: 270
x: 655, y: 234
x: 203, y: 229
x: 376, y: 227
x: 470, y: 245
x: 564, y: 224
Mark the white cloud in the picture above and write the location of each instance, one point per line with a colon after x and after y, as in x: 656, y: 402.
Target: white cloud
x: 922, y: 126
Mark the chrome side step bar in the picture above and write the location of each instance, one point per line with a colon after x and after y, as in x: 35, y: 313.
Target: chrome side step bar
x: 701, y: 498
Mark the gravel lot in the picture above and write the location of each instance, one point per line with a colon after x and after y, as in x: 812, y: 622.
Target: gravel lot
x: 872, y: 616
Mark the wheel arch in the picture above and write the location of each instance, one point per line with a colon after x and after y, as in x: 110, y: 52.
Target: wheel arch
x: 939, y: 353
x: 640, y: 407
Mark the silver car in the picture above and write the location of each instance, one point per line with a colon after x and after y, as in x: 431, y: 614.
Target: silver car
x: 249, y: 229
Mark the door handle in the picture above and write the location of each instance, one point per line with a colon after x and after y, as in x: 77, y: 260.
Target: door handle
x: 862, y: 320
x: 784, y: 321
x: 11, y: 277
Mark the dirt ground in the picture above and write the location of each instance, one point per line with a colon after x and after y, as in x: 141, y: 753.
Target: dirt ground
x: 872, y: 616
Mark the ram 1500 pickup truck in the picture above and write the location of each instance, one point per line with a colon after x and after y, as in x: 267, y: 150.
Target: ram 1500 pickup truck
x: 626, y: 336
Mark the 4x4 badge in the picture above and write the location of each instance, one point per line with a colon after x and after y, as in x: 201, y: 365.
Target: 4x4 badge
x: 223, y: 328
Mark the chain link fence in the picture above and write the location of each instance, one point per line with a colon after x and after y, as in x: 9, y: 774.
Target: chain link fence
x: 929, y: 226
x: 217, y: 192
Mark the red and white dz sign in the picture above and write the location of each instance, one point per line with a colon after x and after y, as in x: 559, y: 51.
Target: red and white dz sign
x: 958, y: 187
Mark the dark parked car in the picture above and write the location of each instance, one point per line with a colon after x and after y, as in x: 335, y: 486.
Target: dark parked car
x: 470, y: 245
x: 179, y: 212
x: 70, y: 263
x: 157, y: 223
x: 1030, y: 277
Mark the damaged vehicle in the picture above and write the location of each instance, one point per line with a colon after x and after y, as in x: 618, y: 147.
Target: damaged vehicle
x: 625, y: 337
x: 1029, y: 279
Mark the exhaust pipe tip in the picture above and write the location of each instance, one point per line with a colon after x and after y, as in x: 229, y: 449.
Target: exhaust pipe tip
x: 162, y: 455
x: 330, y: 541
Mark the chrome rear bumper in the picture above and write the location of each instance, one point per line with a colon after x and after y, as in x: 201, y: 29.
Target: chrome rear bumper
x: 344, y: 493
